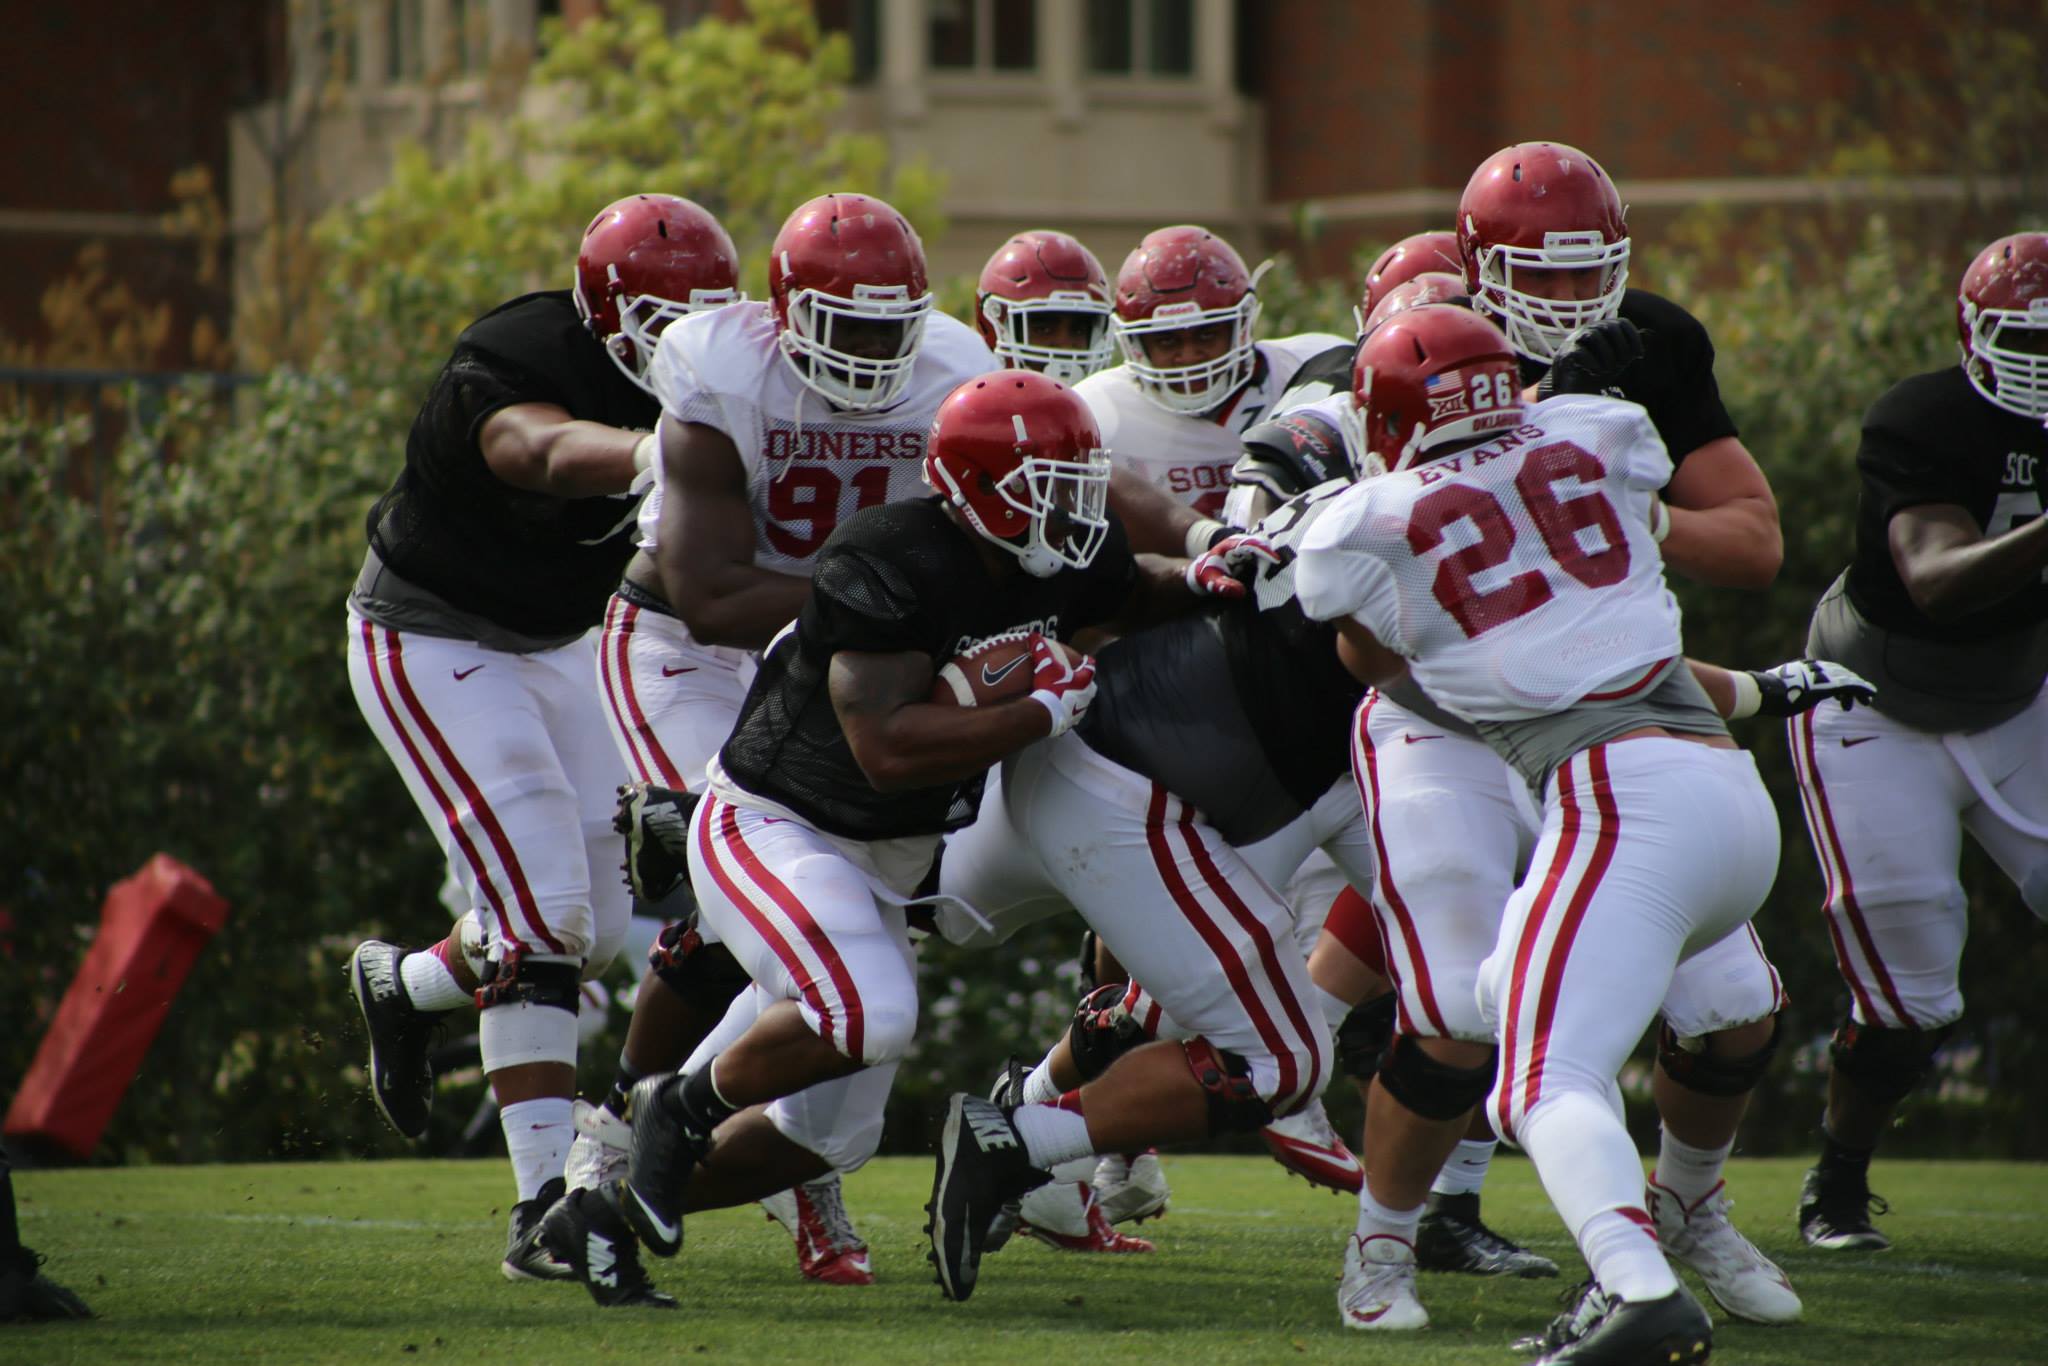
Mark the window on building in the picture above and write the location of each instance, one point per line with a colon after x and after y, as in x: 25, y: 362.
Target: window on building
x: 861, y: 22
x: 1141, y: 37
x: 402, y: 40
x: 982, y: 35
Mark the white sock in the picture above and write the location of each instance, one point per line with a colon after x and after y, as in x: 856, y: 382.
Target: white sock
x: 428, y: 983
x: 1687, y: 1172
x: 1039, y: 1087
x: 1335, y: 1009
x: 1052, y: 1135
x: 537, y: 1138
x: 1623, y: 1253
x: 1377, y: 1221
x: 1465, y: 1172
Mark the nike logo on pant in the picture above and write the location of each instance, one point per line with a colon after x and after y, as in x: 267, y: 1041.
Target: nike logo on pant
x: 1848, y: 743
x: 1412, y: 739
x: 461, y: 674
x: 667, y: 672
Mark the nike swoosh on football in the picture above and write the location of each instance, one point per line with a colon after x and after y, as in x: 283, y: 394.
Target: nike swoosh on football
x: 989, y: 680
x: 667, y: 672
x: 1848, y: 743
x: 1412, y: 739
x: 670, y: 1233
x: 461, y: 674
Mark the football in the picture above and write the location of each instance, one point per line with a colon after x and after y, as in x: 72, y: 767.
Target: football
x: 994, y: 670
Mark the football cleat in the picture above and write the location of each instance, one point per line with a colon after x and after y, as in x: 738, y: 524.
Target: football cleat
x: 1377, y: 1293
x: 1835, y: 1211
x: 1585, y: 1304
x: 26, y: 1294
x: 526, y: 1258
x: 1741, y: 1279
x: 603, y: 1145
x: 1672, y: 1331
x: 1305, y: 1144
x: 1131, y: 1186
x: 1451, y: 1238
x: 401, y: 1082
x: 656, y: 823
x: 981, y: 1167
x: 658, y: 1165
x: 1068, y: 1215
x: 827, y: 1249
x: 586, y: 1232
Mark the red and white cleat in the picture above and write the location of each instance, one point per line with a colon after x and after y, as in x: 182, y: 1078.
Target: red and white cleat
x: 1068, y: 1215
x: 1305, y: 1144
x: 827, y: 1249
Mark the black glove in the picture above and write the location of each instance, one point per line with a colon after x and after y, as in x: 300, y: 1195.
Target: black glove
x: 1803, y: 684
x: 1593, y: 358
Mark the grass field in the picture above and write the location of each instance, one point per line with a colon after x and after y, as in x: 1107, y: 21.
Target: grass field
x: 398, y: 1261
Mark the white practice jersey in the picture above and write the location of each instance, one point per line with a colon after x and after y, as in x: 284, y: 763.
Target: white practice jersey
x: 1518, y: 577
x: 1190, y: 455
x: 809, y: 466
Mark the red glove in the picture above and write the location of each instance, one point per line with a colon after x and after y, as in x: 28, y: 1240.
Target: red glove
x: 1223, y: 570
x: 1063, y: 688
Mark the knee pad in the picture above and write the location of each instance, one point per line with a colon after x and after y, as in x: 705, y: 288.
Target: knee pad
x: 1885, y: 1064
x: 1103, y: 1030
x: 529, y: 1013
x: 1707, y: 1074
x: 1364, y: 1035
x: 1433, y: 1089
x: 694, y: 970
x: 1235, y: 1105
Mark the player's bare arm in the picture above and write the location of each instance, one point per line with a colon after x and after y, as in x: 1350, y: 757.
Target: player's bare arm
x: 1362, y: 653
x: 1154, y: 521
x: 1724, y: 518
x: 705, y: 552
x: 1951, y: 568
x: 901, y: 740
x: 539, y: 446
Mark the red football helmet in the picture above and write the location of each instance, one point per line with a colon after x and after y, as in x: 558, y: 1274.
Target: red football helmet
x: 1432, y: 251
x: 1044, y: 275
x: 1542, y: 206
x: 2005, y: 291
x: 847, y: 277
x: 1019, y: 454
x: 646, y: 260
x: 1175, y: 280
x: 1430, y: 287
x: 1425, y: 379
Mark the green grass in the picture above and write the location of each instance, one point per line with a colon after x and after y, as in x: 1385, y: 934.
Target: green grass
x: 398, y: 1261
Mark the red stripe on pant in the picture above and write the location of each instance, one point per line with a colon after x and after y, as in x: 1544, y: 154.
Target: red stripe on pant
x: 1825, y: 857
x: 1352, y: 924
x: 522, y: 895
x: 636, y: 718
x: 1226, y: 956
x: 434, y: 788
x: 1525, y: 948
x: 1848, y: 893
x: 777, y: 945
x: 1574, y: 915
x: 1384, y: 891
x: 607, y: 673
x: 1262, y: 939
x: 794, y: 910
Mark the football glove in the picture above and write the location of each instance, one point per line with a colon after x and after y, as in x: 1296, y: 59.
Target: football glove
x: 1593, y: 358
x: 1797, y: 686
x: 1062, y: 688
x: 1223, y: 570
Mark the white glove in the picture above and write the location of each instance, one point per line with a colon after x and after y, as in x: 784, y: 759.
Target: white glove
x: 1797, y: 686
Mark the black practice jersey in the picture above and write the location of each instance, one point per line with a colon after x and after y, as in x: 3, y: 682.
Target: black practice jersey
x: 1243, y: 711
x: 1674, y: 379
x: 1325, y: 373
x: 899, y: 577
x: 1934, y: 439
x: 533, y: 563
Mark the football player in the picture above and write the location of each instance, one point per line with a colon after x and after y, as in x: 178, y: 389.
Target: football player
x: 1944, y: 607
x: 470, y: 652
x: 1507, y: 559
x: 1043, y: 304
x: 780, y: 420
x: 826, y: 804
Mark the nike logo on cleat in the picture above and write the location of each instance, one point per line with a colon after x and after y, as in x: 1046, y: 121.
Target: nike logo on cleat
x: 669, y: 1233
x: 461, y: 674
x: 992, y: 1131
x: 990, y: 679
x: 1848, y: 743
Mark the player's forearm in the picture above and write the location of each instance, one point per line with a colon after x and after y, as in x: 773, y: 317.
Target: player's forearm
x: 740, y: 605
x: 565, y: 460
x: 1955, y: 580
x: 1152, y: 520
x: 924, y: 745
x: 1718, y: 684
x: 1736, y: 544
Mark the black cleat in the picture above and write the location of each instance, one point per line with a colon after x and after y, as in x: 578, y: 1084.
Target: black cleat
x: 664, y: 1150
x: 982, y: 1167
x: 1452, y: 1238
x: 1585, y: 1304
x: 656, y: 823
x: 401, y: 1081
x: 1007, y: 1093
x: 587, y: 1234
x: 526, y: 1257
x: 1835, y: 1210
x: 26, y: 1294
x: 1672, y: 1331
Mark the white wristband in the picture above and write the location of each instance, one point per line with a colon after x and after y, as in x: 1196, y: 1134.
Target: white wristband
x: 1748, y: 696
x: 1200, y: 535
x: 1660, y: 519
x: 643, y: 452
